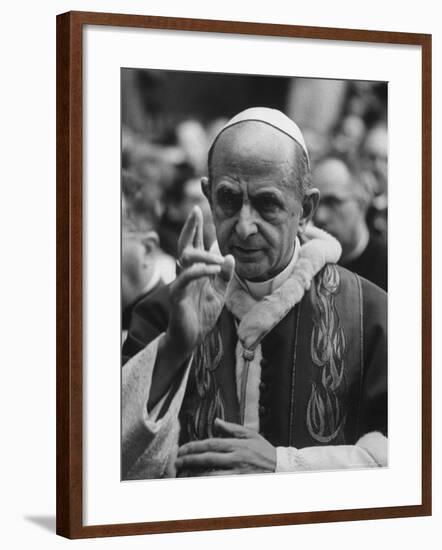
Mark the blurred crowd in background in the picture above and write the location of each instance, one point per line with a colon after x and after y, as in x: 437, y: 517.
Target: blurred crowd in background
x: 169, y: 120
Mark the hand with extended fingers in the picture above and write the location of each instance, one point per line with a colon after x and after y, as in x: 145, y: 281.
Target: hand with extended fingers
x: 197, y: 297
x: 199, y: 291
x: 239, y: 451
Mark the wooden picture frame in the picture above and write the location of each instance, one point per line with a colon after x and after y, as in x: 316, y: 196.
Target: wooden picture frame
x: 70, y: 231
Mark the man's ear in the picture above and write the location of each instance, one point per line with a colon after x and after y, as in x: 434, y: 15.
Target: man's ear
x: 150, y: 241
x: 207, y: 189
x: 309, y: 206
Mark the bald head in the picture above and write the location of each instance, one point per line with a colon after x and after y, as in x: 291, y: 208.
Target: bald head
x: 260, y: 146
x: 338, y: 177
x: 343, y: 203
x: 332, y: 172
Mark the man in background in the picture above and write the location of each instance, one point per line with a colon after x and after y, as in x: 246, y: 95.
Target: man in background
x: 342, y: 212
x: 144, y: 266
x: 180, y: 197
x: 374, y: 158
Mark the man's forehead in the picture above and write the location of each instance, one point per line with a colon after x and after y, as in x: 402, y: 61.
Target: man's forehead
x: 332, y: 176
x: 255, y: 183
x: 254, y: 141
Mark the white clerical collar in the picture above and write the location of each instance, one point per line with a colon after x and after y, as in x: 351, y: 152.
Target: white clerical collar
x: 263, y: 288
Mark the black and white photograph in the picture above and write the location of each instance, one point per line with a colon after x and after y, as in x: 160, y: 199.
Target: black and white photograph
x: 220, y: 275
x: 254, y: 216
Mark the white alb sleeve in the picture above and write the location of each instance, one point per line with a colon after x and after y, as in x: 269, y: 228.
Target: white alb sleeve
x: 370, y: 451
x: 149, y: 443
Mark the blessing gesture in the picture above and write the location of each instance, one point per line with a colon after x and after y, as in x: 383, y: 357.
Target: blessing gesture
x: 197, y: 298
x: 199, y: 292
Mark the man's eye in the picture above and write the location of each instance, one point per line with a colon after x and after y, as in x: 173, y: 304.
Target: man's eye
x: 332, y: 202
x: 266, y: 205
x: 229, y: 200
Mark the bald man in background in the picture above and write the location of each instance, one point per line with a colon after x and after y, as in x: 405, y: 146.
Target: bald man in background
x: 342, y: 212
x: 263, y: 355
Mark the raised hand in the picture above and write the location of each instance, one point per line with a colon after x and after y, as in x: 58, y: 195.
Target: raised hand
x: 199, y: 292
x: 197, y: 298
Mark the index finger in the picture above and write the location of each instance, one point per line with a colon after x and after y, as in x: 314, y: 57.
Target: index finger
x: 188, y: 231
x: 206, y: 460
x: 198, y: 241
x: 215, y: 444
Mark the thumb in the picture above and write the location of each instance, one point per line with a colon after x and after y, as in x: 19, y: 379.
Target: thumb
x: 231, y: 429
x: 227, y: 268
x: 222, y: 280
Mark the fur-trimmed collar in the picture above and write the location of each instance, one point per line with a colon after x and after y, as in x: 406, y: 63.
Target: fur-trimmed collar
x: 258, y: 318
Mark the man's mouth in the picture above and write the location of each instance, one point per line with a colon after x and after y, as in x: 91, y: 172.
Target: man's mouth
x: 245, y: 251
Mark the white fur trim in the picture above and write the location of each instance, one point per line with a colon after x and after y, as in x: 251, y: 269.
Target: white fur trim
x: 376, y: 446
x: 258, y: 318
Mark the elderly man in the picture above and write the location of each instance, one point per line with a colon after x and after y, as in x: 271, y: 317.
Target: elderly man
x: 263, y: 356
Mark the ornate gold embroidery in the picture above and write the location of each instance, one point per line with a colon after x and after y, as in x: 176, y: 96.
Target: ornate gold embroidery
x: 210, y: 404
x: 325, y: 415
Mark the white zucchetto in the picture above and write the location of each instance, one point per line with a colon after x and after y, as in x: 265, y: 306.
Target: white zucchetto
x: 272, y: 117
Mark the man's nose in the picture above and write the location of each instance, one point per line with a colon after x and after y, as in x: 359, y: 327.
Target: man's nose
x: 246, y: 224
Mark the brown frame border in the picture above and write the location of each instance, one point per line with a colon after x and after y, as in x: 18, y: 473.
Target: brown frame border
x: 69, y: 272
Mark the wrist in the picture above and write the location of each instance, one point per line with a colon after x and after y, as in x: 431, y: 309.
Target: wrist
x: 173, y: 353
